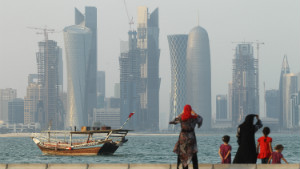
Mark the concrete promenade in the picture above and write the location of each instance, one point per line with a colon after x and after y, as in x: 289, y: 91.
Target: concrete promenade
x: 147, y: 166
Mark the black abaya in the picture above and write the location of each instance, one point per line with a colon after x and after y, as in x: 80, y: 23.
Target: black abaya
x: 246, y: 152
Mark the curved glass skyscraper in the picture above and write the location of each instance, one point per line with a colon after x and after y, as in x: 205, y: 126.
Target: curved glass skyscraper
x: 198, y: 75
x: 177, y: 47
x: 78, y: 41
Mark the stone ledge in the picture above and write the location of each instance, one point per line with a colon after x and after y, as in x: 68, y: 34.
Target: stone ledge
x: 147, y: 166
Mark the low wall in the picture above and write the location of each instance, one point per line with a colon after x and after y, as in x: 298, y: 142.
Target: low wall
x: 147, y: 166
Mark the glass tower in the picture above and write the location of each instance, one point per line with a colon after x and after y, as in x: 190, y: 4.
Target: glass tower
x: 177, y: 47
x: 78, y: 39
x: 198, y: 75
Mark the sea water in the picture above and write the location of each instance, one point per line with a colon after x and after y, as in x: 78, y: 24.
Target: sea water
x: 140, y: 149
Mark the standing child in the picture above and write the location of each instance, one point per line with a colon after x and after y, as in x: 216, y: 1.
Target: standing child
x: 225, y: 150
x: 277, y: 156
x: 265, y: 145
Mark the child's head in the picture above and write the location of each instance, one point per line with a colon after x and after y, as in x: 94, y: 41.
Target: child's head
x: 226, y: 139
x: 279, y: 147
x: 266, y: 131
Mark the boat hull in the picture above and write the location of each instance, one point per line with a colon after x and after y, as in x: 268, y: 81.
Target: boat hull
x: 105, y: 149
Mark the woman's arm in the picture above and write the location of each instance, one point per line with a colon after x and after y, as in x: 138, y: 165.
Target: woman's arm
x: 199, y: 121
x: 284, y: 160
x: 258, y: 124
x: 238, y: 135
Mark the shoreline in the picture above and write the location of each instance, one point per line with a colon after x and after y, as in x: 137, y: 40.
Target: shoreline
x: 130, y: 134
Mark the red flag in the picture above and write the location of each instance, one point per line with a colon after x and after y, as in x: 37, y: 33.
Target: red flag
x: 131, y: 114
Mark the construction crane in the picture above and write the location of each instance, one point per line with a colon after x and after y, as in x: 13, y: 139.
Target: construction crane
x: 130, y: 21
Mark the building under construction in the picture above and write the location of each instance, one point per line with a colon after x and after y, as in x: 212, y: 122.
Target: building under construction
x: 47, y: 62
x: 245, y: 91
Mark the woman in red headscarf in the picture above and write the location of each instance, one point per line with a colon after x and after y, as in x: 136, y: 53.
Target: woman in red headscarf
x: 186, y: 146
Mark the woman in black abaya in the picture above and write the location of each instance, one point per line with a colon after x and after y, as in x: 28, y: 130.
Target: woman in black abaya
x: 246, y: 152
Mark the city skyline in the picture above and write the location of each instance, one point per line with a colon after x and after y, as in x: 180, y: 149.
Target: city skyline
x: 221, y: 73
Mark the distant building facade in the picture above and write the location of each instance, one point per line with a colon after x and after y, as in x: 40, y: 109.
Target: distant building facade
x: 221, y: 107
x: 272, y: 103
x: 78, y: 41
x: 285, y: 69
x: 33, y: 104
x: 290, y: 101
x: 89, y: 20
x: 198, y: 74
x: 6, y: 95
x: 245, y: 91
x: 109, y: 115
x: 130, y: 80
x: 16, y: 111
x: 48, y: 58
x: 177, y: 47
x: 148, y: 44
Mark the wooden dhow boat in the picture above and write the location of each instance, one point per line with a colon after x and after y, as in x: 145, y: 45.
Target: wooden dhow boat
x: 81, y: 143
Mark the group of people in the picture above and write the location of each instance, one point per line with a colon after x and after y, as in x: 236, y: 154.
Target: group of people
x: 248, y: 152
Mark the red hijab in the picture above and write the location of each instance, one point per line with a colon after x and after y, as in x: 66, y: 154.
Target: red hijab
x: 187, y: 113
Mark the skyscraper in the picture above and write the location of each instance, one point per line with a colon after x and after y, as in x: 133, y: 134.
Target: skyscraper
x: 6, y: 95
x: 148, y: 44
x: 177, y: 47
x: 89, y: 20
x: 245, y: 96
x: 130, y: 77
x: 198, y: 74
x: 290, y: 101
x: 272, y: 103
x: 285, y: 69
x: 33, y: 104
x: 221, y: 107
x: 78, y: 39
x: 16, y: 111
x: 48, y: 61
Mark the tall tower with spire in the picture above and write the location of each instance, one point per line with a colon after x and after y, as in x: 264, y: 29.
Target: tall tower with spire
x: 285, y: 69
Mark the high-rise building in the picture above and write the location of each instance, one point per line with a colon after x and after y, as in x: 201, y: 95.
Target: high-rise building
x: 272, y: 103
x: 78, y: 39
x: 290, y: 101
x: 48, y: 58
x: 6, y: 95
x: 33, y: 104
x: 89, y: 20
x: 245, y: 94
x: 16, y: 111
x: 177, y: 47
x: 130, y: 77
x: 198, y: 74
x: 101, y: 83
x: 148, y: 44
x: 221, y: 107
x: 285, y: 69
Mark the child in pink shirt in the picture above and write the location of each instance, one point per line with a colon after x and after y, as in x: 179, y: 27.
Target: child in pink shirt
x: 225, y: 150
x: 277, y: 156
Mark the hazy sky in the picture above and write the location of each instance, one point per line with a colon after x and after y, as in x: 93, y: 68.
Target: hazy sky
x: 274, y: 22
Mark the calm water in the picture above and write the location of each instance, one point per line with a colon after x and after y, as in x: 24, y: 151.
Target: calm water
x: 140, y: 149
